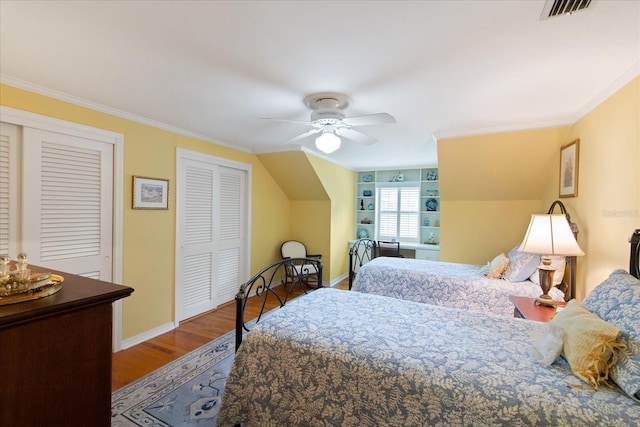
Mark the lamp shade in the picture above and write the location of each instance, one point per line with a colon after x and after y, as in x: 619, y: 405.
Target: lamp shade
x: 328, y: 142
x: 550, y: 235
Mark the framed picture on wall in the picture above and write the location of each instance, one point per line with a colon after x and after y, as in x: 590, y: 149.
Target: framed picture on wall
x: 569, y: 158
x: 150, y: 193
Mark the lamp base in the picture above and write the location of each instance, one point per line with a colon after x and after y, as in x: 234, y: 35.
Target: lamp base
x: 546, y: 300
x: 545, y: 273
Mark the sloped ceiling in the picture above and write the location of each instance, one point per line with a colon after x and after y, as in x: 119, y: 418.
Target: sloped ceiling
x: 295, y: 175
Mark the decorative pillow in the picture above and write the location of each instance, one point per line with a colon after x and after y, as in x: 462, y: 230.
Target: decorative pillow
x: 547, y: 344
x: 617, y: 300
x: 521, y: 265
x: 497, y: 267
x: 557, y: 261
x: 589, y: 343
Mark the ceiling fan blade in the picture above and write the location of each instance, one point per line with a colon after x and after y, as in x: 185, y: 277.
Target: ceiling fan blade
x: 356, y: 136
x: 370, y: 119
x: 288, y: 121
x: 302, y: 136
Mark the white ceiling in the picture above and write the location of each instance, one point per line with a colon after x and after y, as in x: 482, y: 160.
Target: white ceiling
x: 215, y: 68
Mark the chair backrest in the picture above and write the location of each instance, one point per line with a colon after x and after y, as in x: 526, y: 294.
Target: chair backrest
x: 391, y: 249
x: 361, y: 252
x: 293, y: 249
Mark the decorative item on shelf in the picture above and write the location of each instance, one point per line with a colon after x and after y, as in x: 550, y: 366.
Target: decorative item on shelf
x: 366, y: 193
x: 363, y: 233
x: 365, y: 221
x: 397, y: 178
x: 371, y: 206
x: 426, y: 222
x: 432, y: 192
x: 431, y: 205
x: 432, y: 176
x: 21, y: 285
x: 367, y: 178
x: 549, y: 235
x: 432, y: 239
x: 361, y: 205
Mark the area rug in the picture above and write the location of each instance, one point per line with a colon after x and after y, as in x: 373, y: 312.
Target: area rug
x: 185, y: 392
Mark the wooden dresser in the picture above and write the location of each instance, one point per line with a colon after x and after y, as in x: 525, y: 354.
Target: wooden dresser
x: 55, y: 355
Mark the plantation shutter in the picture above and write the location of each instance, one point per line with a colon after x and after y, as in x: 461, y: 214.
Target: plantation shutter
x: 398, y: 213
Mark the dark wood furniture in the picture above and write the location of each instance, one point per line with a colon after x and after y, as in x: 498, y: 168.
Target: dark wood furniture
x: 390, y: 249
x: 55, y: 354
x: 526, y: 308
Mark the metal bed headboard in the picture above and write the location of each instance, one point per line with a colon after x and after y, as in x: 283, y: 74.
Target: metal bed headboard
x: 634, y: 258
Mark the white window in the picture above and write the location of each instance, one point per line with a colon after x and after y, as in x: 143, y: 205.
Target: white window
x: 398, y: 212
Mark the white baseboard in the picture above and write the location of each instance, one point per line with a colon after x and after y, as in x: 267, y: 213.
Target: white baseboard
x: 334, y: 282
x: 146, y: 336
x: 152, y: 333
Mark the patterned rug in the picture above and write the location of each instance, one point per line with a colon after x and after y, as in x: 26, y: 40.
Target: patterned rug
x: 186, y: 392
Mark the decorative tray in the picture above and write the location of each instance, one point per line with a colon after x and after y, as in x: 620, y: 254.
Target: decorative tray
x: 41, y: 285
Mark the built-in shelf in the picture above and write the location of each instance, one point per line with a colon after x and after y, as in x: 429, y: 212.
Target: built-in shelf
x: 426, y: 178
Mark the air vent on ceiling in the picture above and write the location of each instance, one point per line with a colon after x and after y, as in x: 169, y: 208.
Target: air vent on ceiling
x: 564, y: 7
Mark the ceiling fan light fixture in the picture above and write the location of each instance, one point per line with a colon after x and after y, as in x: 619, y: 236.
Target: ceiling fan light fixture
x: 328, y: 142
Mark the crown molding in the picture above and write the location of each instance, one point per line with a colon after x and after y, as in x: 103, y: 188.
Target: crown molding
x: 61, y: 96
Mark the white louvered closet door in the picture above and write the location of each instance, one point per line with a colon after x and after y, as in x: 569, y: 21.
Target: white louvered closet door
x: 211, y: 235
x: 9, y: 189
x: 67, y: 203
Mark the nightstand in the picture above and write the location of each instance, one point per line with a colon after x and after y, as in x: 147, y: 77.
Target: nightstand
x: 526, y: 308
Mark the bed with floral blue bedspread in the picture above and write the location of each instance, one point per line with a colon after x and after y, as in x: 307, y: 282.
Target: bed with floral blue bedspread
x: 345, y: 358
x: 444, y: 283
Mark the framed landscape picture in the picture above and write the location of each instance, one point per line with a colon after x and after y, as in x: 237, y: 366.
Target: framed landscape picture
x: 150, y: 193
x: 569, y: 157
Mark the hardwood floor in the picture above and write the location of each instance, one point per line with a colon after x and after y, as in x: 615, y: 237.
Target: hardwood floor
x: 137, y: 361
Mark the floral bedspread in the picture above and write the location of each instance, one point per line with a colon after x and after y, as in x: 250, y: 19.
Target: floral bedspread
x: 443, y: 283
x: 340, y: 358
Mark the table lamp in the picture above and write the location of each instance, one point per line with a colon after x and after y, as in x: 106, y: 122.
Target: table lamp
x: 549, y: 235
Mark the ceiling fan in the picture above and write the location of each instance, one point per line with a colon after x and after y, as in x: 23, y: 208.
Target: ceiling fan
x: 330, y: 121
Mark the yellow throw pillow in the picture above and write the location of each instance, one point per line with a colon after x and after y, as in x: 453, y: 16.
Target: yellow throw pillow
x: 589, y: 342
x: 498, y: 266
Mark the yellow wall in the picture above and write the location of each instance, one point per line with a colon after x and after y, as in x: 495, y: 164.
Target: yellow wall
x: 322, y: 198
x: 340, y: 184
x: 148, y: 256
x: 607, y: 208
x: 489, y: 187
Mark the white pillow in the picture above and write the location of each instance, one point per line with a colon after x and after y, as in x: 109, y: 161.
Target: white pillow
x: 557, y: 261
x: 497, y: 267
x: 521, y: 265
x: 547, y: 344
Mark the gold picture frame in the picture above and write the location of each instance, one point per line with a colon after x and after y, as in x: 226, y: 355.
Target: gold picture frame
x: 569, y: 166
x: 150, y: 193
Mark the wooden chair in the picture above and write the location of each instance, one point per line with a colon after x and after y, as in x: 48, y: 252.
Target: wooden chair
x: 362, y: 251
x: 390, y: 249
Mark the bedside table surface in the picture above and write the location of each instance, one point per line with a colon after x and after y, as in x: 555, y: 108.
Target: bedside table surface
x: 526, y: 308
